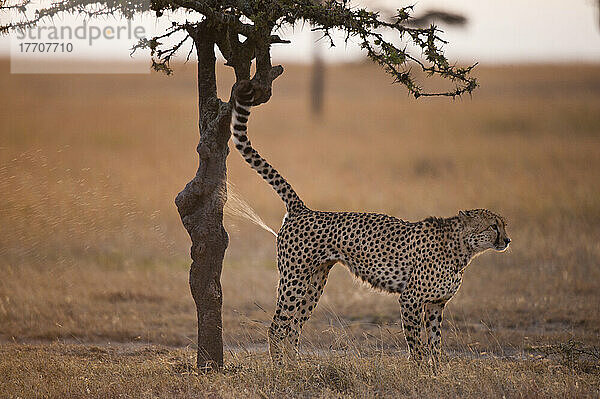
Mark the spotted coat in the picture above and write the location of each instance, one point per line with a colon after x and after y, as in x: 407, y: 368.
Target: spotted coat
x: 421, y: 262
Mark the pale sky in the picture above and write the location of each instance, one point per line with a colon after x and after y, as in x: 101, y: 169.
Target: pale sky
x: 507, y: 31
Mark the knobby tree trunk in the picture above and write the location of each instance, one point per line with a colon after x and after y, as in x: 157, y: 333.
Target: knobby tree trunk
x: 201, y: 202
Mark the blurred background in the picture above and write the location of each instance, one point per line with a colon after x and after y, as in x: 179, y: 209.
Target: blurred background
x: 92, y: 249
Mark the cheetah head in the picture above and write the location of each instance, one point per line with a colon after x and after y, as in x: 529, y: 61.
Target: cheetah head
x: 483, y: 230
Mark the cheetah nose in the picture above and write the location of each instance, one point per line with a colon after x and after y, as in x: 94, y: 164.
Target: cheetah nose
x: 507, y: 240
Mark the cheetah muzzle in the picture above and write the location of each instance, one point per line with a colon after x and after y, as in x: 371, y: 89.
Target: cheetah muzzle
x: 421, y: 262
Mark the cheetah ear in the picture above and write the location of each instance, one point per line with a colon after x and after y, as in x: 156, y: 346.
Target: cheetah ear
x: 463, y: 216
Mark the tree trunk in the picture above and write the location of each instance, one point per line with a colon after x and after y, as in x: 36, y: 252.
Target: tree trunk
x: 200, y: 205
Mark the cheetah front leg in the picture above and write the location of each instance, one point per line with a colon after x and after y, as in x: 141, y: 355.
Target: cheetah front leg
x: 412, y: 323
x: 433, y: 322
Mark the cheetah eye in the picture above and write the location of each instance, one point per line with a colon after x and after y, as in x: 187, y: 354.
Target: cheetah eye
x: 494, y: 227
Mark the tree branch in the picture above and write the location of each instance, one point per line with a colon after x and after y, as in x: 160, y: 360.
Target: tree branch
x: 88, y: 8
x: 204, y: 40
x: 256, y: 19
x: 210, y: 11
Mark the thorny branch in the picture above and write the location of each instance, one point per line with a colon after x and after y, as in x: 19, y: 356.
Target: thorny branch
x: 395, y: 44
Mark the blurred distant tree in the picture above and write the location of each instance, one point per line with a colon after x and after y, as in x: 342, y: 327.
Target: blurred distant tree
x: 437, y: 16
x: 243, y: 31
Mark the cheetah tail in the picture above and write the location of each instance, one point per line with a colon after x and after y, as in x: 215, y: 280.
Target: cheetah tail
x: 243, y: 98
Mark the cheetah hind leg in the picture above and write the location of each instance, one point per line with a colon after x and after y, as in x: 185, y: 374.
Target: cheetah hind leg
x: 290, y: 292
x: 308, y: 304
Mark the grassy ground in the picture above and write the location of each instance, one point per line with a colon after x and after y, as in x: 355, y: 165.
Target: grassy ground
x: 94, y: 260
x: 61, y: 371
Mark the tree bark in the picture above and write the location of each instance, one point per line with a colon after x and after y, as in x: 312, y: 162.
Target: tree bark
x: 200, y: 204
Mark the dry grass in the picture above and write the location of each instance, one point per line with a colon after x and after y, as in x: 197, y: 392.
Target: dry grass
x: 92, y: 250
x: 59, y: 371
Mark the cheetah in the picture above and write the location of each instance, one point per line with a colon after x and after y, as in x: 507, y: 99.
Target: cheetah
x: 421, y: 262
